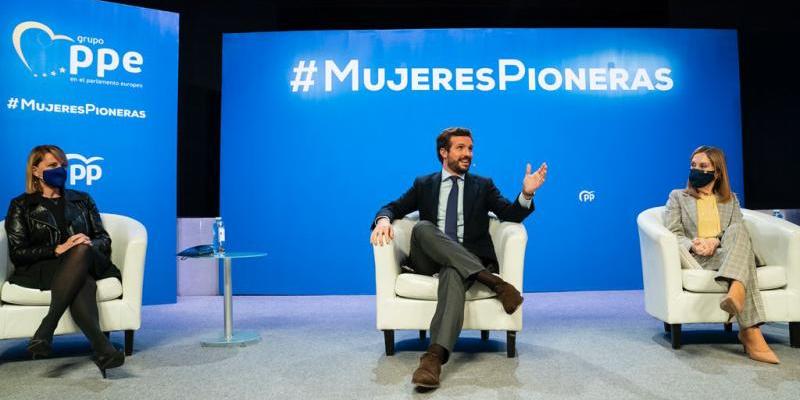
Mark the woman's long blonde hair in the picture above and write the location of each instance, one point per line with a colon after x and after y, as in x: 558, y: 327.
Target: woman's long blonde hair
x: 722, y: 186
x: 32, y: 183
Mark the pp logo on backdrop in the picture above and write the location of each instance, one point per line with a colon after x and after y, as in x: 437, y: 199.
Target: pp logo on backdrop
x: 47, y: 54
x: 586, y: 196
x: 84, y: 170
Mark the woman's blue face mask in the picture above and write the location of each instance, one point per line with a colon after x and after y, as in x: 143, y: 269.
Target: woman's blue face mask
x: 699, y: 178
x: 55, y: 177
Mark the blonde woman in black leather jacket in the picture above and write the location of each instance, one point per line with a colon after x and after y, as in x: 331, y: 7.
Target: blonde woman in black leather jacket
x: 57, y: 242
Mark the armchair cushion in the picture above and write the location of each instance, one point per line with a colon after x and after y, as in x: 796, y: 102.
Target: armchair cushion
x: 424, y: 287
x: 107, y: 289
x: 702, y: 281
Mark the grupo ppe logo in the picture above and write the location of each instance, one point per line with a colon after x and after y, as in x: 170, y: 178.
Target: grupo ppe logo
x: 48, y: 54
x: 84, y: 169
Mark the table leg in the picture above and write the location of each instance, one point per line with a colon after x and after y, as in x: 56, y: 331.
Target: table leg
x: 228, y: 300
x: 229, y: 338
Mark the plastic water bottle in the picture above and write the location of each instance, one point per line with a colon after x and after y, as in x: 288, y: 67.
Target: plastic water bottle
x: 778, y: 214
x: 219, y: 236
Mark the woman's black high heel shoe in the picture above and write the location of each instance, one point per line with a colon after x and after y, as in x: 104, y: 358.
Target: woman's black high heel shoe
x: 40, y: 348
x: 109, y: 360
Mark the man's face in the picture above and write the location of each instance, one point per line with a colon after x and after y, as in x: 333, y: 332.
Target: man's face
x: 459, y: 157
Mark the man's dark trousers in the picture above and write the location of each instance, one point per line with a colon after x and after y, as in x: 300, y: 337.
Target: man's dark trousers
x: 434, y: 252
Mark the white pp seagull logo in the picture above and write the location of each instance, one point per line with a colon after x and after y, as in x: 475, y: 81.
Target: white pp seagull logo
x: 76, y: 156
x: 24, y: 26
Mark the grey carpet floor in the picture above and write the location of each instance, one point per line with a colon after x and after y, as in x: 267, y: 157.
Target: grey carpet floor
x: 586, y: 345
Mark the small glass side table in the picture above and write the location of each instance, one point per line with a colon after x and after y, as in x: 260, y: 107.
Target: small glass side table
x: 229, y: 337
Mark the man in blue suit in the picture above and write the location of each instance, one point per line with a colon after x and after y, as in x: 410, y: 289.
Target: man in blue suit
x: 452, y: 239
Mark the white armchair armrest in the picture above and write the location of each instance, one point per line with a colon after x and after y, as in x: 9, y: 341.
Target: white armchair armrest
x: 510, y: 239
x: 776, y: 242
x: 661, y: 265
x: 129, y: 247
x: 388, y: 258
x: 387, y: 268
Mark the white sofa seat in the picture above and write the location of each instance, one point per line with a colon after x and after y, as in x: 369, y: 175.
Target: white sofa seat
x: 702, y: 281
x: 424, y: 287
x: 107, y: 289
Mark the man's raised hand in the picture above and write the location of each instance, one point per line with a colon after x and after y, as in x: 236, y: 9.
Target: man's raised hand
x: 533, y: 181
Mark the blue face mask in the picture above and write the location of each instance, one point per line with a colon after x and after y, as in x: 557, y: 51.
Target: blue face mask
x: 699, y: 178
x: 55, y: 177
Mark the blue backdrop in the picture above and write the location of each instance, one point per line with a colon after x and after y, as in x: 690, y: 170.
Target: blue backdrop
x: 100, y: 81
x: 312, y: 146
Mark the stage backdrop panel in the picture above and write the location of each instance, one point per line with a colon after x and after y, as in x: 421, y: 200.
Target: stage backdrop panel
x: 320, y: 129
x: 99, y: 80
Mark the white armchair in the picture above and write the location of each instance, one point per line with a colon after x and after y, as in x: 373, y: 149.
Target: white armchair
x: 22, y: 309
x: 680, y: 296
x: 408, y: 301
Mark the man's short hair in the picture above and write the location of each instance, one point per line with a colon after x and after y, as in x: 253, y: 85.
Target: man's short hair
x: 443, y: 140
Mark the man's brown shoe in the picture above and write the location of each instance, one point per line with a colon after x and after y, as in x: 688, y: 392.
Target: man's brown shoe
x: 427, y: 375
x: 508, y: 295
